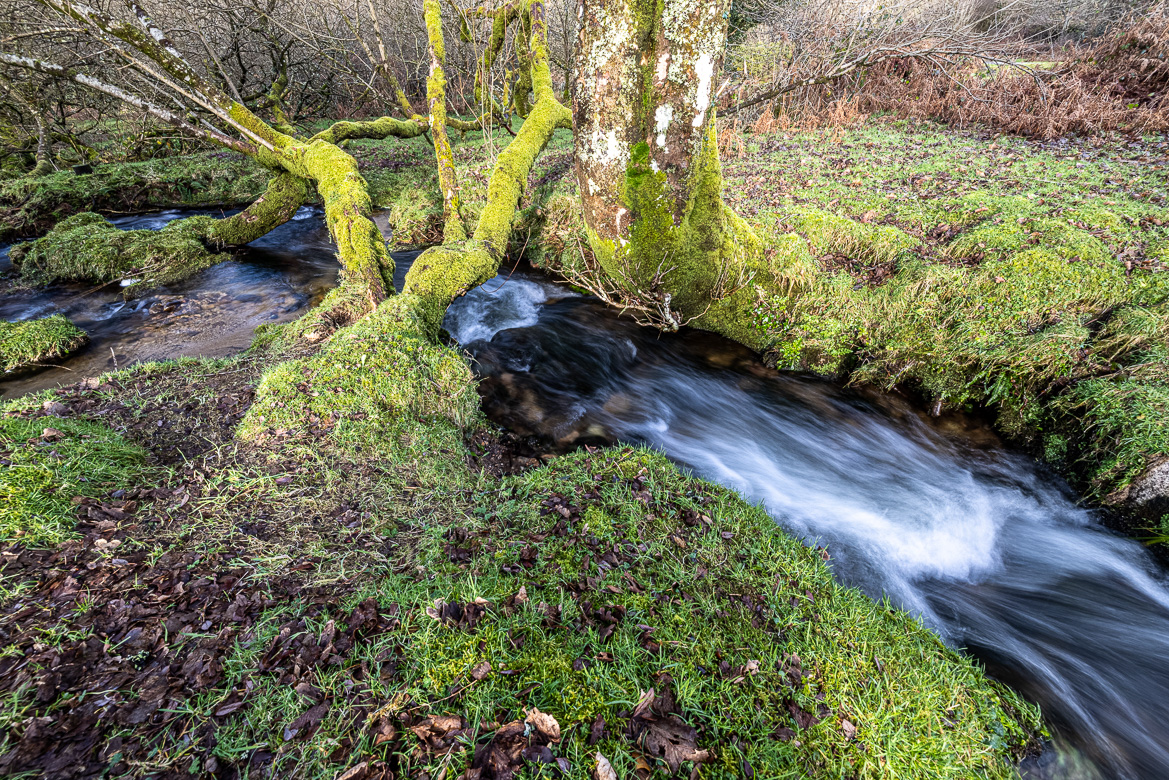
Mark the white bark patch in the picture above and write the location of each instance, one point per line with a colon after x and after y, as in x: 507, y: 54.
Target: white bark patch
x: 621, y: 212
x: 662, y: 118
x: 704, y: 68
x: 604, y: 148
x: 663, y: 67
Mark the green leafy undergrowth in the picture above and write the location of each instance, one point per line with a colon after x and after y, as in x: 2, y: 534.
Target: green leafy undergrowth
x: 30, y: 206
x: 88, y: 248
x: 32, y: 342
x: 45, y: 462
x: 576, y: 589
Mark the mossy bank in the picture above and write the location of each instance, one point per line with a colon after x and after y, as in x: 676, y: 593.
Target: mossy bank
x: 31, y: 206
x: 343, y: 582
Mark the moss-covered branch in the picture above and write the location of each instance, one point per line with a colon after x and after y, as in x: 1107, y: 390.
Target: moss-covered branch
x: 286, y: 193
x: 501, y: 19
x: 443, y: 273
x: 376, y: 129
x: 453, y: 228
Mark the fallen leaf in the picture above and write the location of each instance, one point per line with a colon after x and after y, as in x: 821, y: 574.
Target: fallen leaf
x: 356, y: 772
x: 848, y: 729
x: 543, y: 723
x: 604, y: 770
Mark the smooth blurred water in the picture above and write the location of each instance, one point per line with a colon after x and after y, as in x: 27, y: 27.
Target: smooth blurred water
x: 211, y: 314
x: 989, y: 548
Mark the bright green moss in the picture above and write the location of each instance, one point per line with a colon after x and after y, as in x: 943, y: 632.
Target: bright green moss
x: 870, y: 244
x: 87, y: 248
x: 48, y: 461
x: 32, y: 342
x: 366, y: 376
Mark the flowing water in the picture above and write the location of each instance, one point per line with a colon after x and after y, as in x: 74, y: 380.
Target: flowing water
x: 991, y: 550
x: 212, y: 314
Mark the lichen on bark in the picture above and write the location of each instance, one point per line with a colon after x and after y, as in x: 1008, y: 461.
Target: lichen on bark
x: 647, y: 156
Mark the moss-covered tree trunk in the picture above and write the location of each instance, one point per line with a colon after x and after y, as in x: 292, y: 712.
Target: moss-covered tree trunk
x: 646, y: 155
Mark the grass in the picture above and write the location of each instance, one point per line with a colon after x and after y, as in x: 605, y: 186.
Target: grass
x: 916, y: 705
x: 32, y: 342
x: 1025, y: 277
x: 46, y: 462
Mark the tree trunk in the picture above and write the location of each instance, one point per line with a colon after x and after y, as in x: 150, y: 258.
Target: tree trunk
x: 646, y: 155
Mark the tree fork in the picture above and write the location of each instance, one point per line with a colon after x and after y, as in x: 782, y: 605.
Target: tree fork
x: 441, y: 274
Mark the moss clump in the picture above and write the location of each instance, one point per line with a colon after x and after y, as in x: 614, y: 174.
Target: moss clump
x: 87, y: 248
x: 365, y: 376
x: 32, y: 342
x: 870, y: 244
x: 45, y: 462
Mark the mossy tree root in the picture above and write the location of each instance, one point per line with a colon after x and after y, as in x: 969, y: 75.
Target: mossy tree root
x: 648, y: 164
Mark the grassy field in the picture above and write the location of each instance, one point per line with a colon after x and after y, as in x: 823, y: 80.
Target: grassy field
x: 317, y: 557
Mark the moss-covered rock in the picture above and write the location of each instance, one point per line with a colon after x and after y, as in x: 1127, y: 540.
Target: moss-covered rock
x: 32, y: 342
x: 363, y: 378
x: 87, y: 248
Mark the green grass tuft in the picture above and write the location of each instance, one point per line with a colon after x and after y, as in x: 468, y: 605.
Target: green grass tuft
x: 45, y: 462
x: 32, y: 342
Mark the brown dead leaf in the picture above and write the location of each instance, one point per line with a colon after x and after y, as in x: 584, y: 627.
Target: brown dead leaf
x: 604, y: 770
x: 673, y: 741
x: 356, y: 772
x: 543, y: 723
x: 849, y: 729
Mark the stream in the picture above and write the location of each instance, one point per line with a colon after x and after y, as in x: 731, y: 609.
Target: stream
x: 211, y: 314
x: 990, y: 549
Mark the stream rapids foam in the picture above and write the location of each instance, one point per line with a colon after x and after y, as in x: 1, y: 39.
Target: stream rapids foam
x: 991, y: 550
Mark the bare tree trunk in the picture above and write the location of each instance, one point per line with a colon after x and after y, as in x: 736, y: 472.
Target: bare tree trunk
x: 646, y: 155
